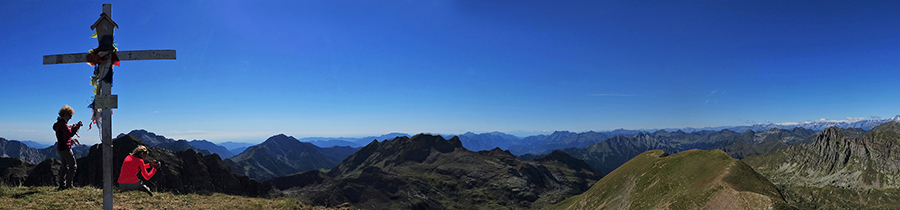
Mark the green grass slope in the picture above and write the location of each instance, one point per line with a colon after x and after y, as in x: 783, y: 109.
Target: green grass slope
x: 693, y: 179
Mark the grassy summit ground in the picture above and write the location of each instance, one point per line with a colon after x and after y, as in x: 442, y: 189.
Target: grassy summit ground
x: 693, y: 179
x: 92, y: 198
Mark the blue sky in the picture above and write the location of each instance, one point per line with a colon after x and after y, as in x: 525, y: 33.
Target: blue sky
x: 247, y: 70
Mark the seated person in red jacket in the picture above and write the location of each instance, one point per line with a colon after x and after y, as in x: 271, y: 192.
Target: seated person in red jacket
x: 134, y: 164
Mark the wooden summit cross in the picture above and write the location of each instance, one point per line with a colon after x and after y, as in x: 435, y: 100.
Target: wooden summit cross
x: 104, y: 100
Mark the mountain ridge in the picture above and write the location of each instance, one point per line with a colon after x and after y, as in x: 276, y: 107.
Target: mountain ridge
x: 430, y: 172
x: 16, y: 149
x: 692, y: 179
x: 281, y: 155
x: 837, y: 170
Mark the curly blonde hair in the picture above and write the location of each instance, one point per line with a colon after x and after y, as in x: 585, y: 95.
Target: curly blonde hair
x: 66, y: 110
x: 140, y: 151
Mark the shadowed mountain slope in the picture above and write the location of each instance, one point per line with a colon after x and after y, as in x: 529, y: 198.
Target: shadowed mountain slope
x: 14, y: 171
x: 181, y: 172
x: 693, y: 179
x: 430, y: 172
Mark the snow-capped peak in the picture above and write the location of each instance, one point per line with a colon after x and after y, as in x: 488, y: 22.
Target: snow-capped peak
x: 823, y: 120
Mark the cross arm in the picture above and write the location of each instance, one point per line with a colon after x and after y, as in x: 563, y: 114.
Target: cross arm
x: 123, y: 56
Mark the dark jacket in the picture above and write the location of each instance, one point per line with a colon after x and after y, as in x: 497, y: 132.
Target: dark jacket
x: 64, y: 134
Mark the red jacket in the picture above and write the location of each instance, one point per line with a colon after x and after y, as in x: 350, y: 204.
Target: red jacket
x: 130, y: 169
x: 64, y: 134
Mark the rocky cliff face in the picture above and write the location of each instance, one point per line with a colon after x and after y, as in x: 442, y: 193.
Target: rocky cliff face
x: 833, y: 159
x: 16, y: 149
x: 852, y: 166
x: 430, y: 172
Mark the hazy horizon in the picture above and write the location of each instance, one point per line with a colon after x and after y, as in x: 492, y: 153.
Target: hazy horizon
x: 519, y: 134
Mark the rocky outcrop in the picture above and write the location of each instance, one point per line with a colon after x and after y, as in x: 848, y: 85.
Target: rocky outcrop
x: 14, y: 171
x: 836, y: 160
x: 851, y: 170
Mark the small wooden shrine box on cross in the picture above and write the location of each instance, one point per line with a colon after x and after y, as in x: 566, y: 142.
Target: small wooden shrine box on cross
x: 104, y: 100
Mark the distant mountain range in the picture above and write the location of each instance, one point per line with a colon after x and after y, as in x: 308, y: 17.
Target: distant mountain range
x: 33, y: 144
x: 351, y: 142
x: 834, y: 168
x: 609, y: 154
x: 430, y: 172
x: 235, y: 147
x: 816, y: 125
x: 201, y: 146
x: 764, y: 142
x: 538, y: 144
x: 543, y: 144
x: 16, y: 149
x: 281, y: 155
x: 488, y: 141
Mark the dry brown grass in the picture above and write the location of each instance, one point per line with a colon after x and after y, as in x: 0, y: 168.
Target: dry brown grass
x: 91, y: 198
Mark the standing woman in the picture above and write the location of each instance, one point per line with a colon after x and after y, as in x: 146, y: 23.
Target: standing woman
x: 134, y: 164
x: 64, y: 143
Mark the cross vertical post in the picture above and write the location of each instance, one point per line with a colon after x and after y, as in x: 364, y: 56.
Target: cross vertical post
x: 104, y: 100
x: 106, y: 28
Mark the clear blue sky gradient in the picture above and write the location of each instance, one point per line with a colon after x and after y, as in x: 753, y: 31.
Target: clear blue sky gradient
x: 247, y: 70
